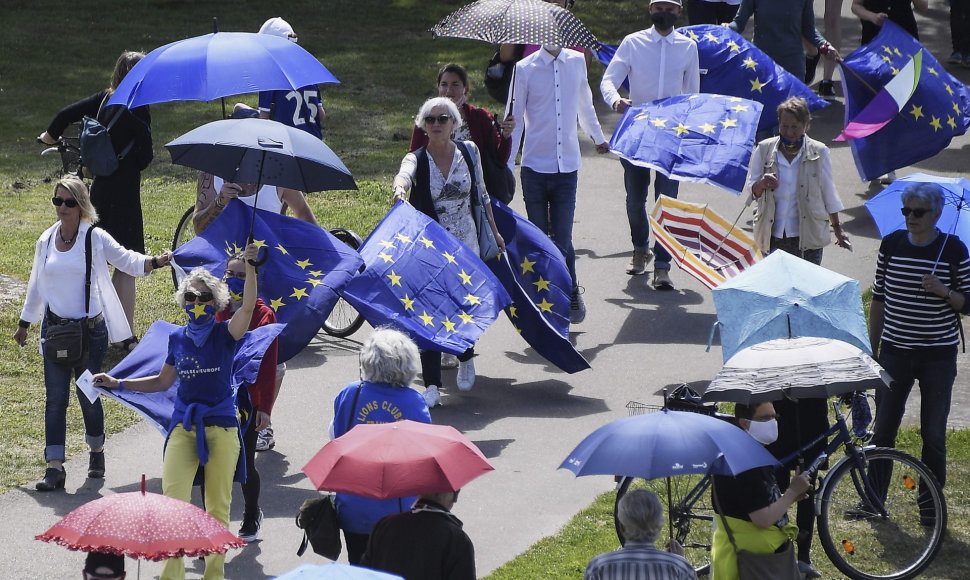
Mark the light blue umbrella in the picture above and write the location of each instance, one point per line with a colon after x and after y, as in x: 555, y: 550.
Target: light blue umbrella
x: 784, y: 296
x: 885, y: 207
x: 335, y: 571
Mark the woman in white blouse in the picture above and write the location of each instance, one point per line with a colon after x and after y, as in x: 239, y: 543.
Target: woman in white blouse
x: 791, y: 179
x: 56, y: 291
x: 439, y: 180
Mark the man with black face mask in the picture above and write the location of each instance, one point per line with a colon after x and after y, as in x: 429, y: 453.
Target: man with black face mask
x: 659, y: 62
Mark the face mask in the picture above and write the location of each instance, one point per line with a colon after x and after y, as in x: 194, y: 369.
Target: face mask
x: 764, y: 432
x: 236, y: 286
x: 663, y: 20
x: 791, y: 144
x: 200, y: 324
x: 552, y: 48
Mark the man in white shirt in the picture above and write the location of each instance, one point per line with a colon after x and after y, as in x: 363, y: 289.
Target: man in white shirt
x: 659, y: 62
x: 550, y: 93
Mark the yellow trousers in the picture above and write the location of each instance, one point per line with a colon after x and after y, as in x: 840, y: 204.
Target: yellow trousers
x: 180, y: 465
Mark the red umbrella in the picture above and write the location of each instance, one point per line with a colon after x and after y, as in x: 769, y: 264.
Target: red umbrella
x: 386, y: 460
x: 142, y: 525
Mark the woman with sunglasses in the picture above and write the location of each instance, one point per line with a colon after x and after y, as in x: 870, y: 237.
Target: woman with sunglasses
x: 205, y: 424
x: 55, y: 292
x: 791, y: 180
x: 440, y: 180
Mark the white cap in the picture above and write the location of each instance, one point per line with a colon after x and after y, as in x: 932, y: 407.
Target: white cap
x: 278, y: 27
x: 677, y: 2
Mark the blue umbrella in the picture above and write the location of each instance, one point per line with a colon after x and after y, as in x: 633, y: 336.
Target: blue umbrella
x: 205, y: 68
x: 885, y: 207
x: 784, y: 296
x: 264, y: 152
x: 667, y: 443
x: 335, y: 571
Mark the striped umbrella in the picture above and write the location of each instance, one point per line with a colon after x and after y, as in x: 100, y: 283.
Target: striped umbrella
x: 704, y: 244
x: 516, y: 22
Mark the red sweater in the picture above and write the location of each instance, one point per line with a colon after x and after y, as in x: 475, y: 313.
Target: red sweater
x: 262, y: 392
x: 482, y: 130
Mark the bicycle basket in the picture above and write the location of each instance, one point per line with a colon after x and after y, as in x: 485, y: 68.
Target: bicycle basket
x: 638, y: 408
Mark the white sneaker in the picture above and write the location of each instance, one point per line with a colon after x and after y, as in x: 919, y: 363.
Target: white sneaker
x: 449, y: 361
x: 431, y: 396
x: 888, y: 178
x: 466, y: 375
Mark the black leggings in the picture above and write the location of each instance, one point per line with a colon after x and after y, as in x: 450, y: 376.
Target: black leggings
x: 250, y: 489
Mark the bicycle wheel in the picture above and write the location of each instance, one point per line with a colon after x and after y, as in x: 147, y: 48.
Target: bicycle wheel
x: 688, y: 511
x: 863, y: 544
x: 344, y: 319
x: 184, y: 232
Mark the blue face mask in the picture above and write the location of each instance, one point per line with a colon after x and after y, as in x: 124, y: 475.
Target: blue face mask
x: 236, y: 286
x: 201, y: 322
x: 792, y: 144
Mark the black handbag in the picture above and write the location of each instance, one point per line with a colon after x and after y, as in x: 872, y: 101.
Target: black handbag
x: 499, y: 179
x: 66, y: 339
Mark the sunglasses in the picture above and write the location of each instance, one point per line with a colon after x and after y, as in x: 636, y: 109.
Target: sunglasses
x: 230, y: 274
x: 202, y: 296
x: 59, y: 201
x: 917, y: 212
x: 440, y: 119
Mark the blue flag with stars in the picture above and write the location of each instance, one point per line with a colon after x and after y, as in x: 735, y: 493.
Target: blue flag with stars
x: 306, y: 268
x: 938, y: 110
x: 700, y: 137
x: 425, y: 282
x: 534, y: 273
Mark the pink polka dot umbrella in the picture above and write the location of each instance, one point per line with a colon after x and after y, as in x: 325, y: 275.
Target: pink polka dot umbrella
x: 143, y: 526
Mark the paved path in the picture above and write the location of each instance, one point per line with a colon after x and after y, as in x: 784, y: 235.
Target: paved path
x: 524, y: 414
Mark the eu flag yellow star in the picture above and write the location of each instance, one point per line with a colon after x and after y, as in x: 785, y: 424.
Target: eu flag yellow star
x: 733, y: 46
x: 385, y: 257
x: 711, y: 37
x: 693, y: 35
x: 641, y: 116
x: 403, y: 238
x: 750, y: 63
x: 472, y: 299
x: 948, y: 89
x: 932, y: 71
x: 426, y: 318
x: 739, y: 108
x: 659, y: 122
x: 299, y: 293
x: 388, y: 245
x: 408, y: 303
x: 448, y: 324
x: 427, y: 243
x: 465, y: 278
x: 545, y: 305
x: 316, y: 273
x: 951, y: 122
x: 729, y: 123
x: 466, y: 318
x: 916, y: 112
x: 259, y: 243
x: 449, y: 257
x: 886, y: 49
x: 708, y: 128
x: 526, y: 265
x: 276, y: 303
x: 956, y: 108
x: 314, y: 281
x: 541, y: 284
x: 896, y: 50
x: 935, y: 123
x: 681, y: 129
x: 304, y: 264
x: 513, y: 311
x: 756, y: 85
x: 394, y: 278
x: 281, y: 248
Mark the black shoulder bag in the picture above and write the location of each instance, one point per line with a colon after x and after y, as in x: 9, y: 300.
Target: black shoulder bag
x: 66, y: 339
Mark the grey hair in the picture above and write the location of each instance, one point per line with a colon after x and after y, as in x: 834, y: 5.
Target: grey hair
x: 425, y: 110
x: 220, y: 293
x: 928, y: 193
x: 642, y: 516
x: 389, y: 357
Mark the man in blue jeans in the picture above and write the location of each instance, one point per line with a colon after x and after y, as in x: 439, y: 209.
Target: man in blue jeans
x: 659, y: 62
x: 550, y: 92
x: 922, y: 280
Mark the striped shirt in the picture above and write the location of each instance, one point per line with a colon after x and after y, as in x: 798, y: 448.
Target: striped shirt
x: 915, y: 318
x: 637, y: 561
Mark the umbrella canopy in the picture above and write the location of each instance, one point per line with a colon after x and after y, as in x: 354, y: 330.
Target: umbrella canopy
x: 216, y: 65
x: 800, y: 368
x: 516, y: 22
x: 704, y: 244
x: 335, y: 571
x: 142, y: 525
x: 885, y: 207
x: 784, y: 296
x: 387, y: 460
x: 667, y: 443
x: 261, y: 151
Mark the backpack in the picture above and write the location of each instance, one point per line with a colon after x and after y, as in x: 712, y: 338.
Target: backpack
x: 98, y: 154
x: 498, y: 74
x: 318, y: 520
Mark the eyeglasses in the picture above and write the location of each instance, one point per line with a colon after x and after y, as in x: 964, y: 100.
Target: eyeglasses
x: 230, y: 274
x: 59, y: 201
x: 201, y: 296
x: 764, y: 418
x: 440, y: 119
x: 916, y: 211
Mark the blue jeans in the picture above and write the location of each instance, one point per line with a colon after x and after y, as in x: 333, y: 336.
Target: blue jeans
x: 550, y: 202
x: 636, y: 179
x: 57, y: 381
x: 935, y: 376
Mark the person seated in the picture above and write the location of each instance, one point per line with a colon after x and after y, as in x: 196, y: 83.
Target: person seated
x: 641, y: 520
x: 426, y: 543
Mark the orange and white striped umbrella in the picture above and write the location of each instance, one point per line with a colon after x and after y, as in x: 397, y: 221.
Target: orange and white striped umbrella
x: 704, y: 244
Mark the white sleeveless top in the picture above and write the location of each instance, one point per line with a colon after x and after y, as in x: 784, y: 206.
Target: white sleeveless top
x: 269, y: 197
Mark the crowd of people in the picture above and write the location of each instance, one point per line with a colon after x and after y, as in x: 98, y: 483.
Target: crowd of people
x: 919, y: 269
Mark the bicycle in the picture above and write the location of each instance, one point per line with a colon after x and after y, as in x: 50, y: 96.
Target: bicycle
x: 69, y: 149
x: 881, y: 512
x: 343, y: 321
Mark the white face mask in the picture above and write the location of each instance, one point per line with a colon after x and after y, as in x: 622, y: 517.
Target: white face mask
x: 764, y: 432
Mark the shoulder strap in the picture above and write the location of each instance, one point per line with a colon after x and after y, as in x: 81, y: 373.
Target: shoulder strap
x: 953, y: 279
x: 353, y: 407
x: 473, y: 194
x: 87, y: 270
x: 112, y: 122
x: 720, y: 515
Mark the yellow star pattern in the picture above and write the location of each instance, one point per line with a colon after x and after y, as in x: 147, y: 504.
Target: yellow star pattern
x: 394, y: 278
x: 693, y: 35
x: 403, y: 238
x: 408, y: 303
x: 314, y: 281
x: 735, y: 99
x: 886, y: 49
x: 541, y: 284
x: 316, y: 273
x: 739, y: 108
x: 896, y: 50
x: 708, y: 128
x: 449, y: 257
x: 659, y: 122
x: 388, y: 245
x: 259, y: 243
x: 448, y: 324
x: 750, y: 63
x: 935, y: 123
x: 304, y: 264
x: 956, y: 108
x: 465, y: 278
x: 887, y: 59
x: 276, y: 303
x: 466, y: 318
x: 385, y: 257
x: 729, y: 123
x: 545, y: 305
x: 894, y: 70
x: 526, y: 265
x: 427, y: 243
x: 198, y: 310
x: 733, y: 46
x: 641, y: 116
x: 281, y: 248
x: 948, y: 89
x: 756, y: 85
x: 472, y: 299
x: 426, y: 318
x: 299, y: 293
x: 932, y: 71
x: 681, y: 129
x: 513, y: 311
x: 916, y: 112
x: 711, y: 37
x: 951, y: 122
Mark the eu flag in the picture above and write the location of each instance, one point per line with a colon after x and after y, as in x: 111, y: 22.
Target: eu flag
x: 422, y: 280
x: 701, y: 137
x: 534, y: 273
x: 306, y: 267
x: 938, y: 109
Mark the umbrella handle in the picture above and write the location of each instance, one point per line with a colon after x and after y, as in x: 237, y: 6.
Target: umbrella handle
x: 258, y: 261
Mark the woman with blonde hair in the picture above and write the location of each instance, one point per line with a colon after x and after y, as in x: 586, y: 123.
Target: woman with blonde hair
x: 56, y: 293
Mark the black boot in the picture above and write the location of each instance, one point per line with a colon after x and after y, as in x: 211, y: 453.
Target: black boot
x: 53, y: 479
x: 96, y: 464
